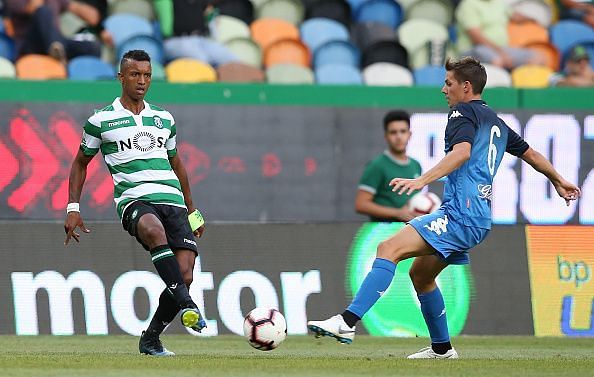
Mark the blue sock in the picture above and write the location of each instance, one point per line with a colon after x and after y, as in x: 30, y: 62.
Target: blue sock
x: 433, y: 309
x: 375, y: 284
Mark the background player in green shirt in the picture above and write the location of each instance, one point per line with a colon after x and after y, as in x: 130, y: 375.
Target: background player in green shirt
x: 375, y: 197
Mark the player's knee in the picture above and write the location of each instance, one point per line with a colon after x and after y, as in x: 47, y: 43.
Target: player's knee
x: 390, y: 251
x: 155, y: 235
x: 420, y: 281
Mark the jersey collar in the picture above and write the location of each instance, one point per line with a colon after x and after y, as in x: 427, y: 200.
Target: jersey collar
x: 117, y: 105
x: 394, y: 160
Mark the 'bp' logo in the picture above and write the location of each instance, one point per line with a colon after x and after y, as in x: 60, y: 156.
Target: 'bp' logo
x: 397, y: 312
x: 158, y: 122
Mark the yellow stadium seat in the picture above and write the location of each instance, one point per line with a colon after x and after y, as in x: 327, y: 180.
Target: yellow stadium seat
x: 531, y: 76
x: 39, y: 67
x: 189, y: 71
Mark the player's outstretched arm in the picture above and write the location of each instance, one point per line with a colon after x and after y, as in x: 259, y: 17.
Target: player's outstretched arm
x: 459, y: 154
x: 78, y: 174
x: 179, y: 169
x: 565, y: 189
x: 365, y: 205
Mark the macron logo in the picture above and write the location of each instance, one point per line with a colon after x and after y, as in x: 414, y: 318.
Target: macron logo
x: 190, y: 242
x: 118, y: 123
x: 455, y: 114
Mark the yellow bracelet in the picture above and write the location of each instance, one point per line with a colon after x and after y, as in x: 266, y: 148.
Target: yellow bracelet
x: 196, y: 220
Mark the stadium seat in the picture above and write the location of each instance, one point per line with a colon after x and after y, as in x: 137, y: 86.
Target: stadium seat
x: 338, y: 74
x: 430, y: 75
x: 537, y: 10
x: 337, y: 52
x: 337, y: 10
x: 439, y: 11
x: 124, y: 26
x: 141, y: 8
x: 7, y: 49
x: 317, y: 31
x: 568, y: 33
x: 497, y: 76
x: 355, y: 4
x: 90, y: 68
x: 387, y: 74
x: 239, y: 72
x: 266, y: 31
x: 385, y: 52
x: 287, y: 51
x: 189, y: 71
x: 521, y: 34
x: 39, y: 67
x: 158, y: 73
x: 151, y: 45
x: 7, y: 70
x: 246, y: 50
x: 367, y: 33
x: 387, y: 12
x: 291, y: 11
x: 531, y: 76
x: 70, y: 24
x: 550, y: 52
x: 228, y: 28
x: 241, y: 9
x: 289, y: 74
x: 416, y: 35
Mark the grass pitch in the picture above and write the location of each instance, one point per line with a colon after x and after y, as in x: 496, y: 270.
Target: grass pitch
x: 105, y: 356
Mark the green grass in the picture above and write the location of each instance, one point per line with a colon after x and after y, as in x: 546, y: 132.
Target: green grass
x: 299, y: 356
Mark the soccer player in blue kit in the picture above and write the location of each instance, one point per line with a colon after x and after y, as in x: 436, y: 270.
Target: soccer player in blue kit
x: 475, y: 140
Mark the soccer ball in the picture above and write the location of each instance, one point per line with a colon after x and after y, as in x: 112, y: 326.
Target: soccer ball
x: 264, y: 328
x: 424, y: 203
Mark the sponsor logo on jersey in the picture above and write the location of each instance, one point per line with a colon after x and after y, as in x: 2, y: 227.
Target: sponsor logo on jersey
x: 118, y: 122
x: 439, y: 225
x: 485, y: 192
x: 158, y: 122
x: 455, y: 114
x: 144, y: 141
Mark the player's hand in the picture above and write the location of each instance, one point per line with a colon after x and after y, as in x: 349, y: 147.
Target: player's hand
x: 73, y: 221
x: 406, y: 185
x: 198, y: 232
x: 405, y: 214
x: 568, y: 191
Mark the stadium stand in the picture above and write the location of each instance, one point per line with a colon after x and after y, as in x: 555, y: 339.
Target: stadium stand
x: 317, y: 31
x: 239, y: 72
x: 228, y: 28
x: 337, y: 10
x: 340, y: 74
x: 386, y: 52
x: 90, y: 68
x: 387, y: 12
x: 287, y: 51
x: 186, y: 70
x: 387, y: 74
x: 291, y: 11
x: 439, y: 11
x: 531, y: 76
x: 289, y: 74
x: 141, y: 8
x: 267, y: 31
x: 246, y: 50
x: 337, y: 52
x: 7, y: 69
x: 430, y: 75
x: 39, y: 67
x: 497, y: 77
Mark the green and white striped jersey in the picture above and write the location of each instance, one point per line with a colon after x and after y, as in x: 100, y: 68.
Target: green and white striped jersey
x: 136, y: 149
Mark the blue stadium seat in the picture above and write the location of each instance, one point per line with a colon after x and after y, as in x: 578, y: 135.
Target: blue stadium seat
x: 338, y: 74
x: 568, y: 33
x: 387, y: 12
x: 7, y: 49
x: 151, y: 45
x: 355, y: 4
x: 124, y: 26
x: 90, y: 68
x: 337, y: 52
x: 430, y: 75
x: 317, y: 31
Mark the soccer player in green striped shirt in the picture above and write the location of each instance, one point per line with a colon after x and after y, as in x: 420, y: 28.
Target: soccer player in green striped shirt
x: 375, y: 197
x: 151, y: 193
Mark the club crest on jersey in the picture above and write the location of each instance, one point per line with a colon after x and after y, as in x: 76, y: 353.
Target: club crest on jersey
x: 439, y: 225
x: 485, y: 192
x: 455, y: 114
x: 158, y: 122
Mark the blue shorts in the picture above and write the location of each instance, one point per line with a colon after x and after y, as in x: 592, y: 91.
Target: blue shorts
x: 450, y: 239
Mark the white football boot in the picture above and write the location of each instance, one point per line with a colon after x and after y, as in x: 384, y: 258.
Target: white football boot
x: 334, y: 327
x: 428, y: 353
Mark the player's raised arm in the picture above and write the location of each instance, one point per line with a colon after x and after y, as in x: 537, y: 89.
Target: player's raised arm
x: 565, y: 189
x: 78, y: 174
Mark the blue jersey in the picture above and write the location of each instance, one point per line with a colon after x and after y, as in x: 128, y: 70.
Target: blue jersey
x: 468, y: 189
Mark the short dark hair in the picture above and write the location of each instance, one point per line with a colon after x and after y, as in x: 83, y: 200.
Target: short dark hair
x: 136, y: 55
x: 396, y: 115
x: 468, y: 69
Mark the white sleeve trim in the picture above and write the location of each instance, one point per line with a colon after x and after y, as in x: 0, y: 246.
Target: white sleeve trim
x: 368, y: 189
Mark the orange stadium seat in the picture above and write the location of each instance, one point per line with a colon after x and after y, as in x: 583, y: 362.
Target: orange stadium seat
x: 287, y: 51
x: 550, y: 52
x: 266, y: 31
x: 525, y: 33
x: 39, y: 67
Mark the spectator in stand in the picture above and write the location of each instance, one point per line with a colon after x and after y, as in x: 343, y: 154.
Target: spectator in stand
x: 482, y: 33
x: 577, y: 10
x: 186, y: 26
x: 36, y: 28
x: 578, y: 71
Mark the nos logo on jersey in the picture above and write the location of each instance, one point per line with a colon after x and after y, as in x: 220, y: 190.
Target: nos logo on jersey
x: 439, y: 225
x: 142, y: 141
